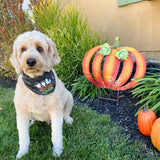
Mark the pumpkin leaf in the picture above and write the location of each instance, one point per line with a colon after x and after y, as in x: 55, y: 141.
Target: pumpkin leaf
x: 105, y: 49
x: 122, y: 54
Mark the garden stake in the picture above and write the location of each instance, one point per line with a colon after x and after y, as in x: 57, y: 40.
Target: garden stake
x: 112, y: 58
x: 106, y: 76
x: 110, y: 99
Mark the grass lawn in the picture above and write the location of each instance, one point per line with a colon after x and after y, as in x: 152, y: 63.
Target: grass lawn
x: 91, y: 137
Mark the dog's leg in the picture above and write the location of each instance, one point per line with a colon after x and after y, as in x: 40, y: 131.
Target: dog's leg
x: 68, y: 108
x: 57, y: 137
x: 23, y: 132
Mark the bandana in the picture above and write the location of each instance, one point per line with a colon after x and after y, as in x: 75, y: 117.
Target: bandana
x: 41, y: 85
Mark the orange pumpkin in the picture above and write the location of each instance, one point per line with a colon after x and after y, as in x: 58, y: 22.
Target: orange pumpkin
x: 155, y: 132
x: 111, y: 68
x: 146, y: 118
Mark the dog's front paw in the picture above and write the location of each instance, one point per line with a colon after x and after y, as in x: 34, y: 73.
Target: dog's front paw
x: 68, y: 119
x: 57, y: 151
x: 21, y: 153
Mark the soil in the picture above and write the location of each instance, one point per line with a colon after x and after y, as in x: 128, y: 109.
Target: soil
x: 122, y: 113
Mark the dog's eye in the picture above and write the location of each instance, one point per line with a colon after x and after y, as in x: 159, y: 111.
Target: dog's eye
x: 24, y: 49
x: 39, y: 49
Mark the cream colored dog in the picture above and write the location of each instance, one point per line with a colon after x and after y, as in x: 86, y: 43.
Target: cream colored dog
x: 39, y: 94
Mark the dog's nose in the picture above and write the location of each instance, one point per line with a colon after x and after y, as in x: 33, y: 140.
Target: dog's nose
x: 31, y: 62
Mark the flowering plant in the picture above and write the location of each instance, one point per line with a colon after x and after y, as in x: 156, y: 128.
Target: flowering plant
x: 12, y: 23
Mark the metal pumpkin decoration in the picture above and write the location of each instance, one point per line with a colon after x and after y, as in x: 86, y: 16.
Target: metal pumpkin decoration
x: 106, y: 76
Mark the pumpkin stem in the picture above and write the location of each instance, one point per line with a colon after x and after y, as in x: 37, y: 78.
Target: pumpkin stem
x: 116, y: 43
x: 145, y: 109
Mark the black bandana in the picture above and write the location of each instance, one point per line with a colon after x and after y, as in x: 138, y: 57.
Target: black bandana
x: 41, y: 85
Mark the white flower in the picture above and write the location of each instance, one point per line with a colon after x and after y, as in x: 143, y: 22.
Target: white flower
x: 25, y: 8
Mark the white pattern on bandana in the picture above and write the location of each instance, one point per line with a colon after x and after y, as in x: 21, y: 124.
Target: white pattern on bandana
x: 41, y: 85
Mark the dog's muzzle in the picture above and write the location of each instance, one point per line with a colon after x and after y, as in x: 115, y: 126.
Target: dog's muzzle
x: 31, y: 62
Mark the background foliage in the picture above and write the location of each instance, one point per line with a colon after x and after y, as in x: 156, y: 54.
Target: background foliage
x: 71, y: 33
x: 13, y: 22
x: 85, y: 89
x: 64, y: 25
x: 73, y: 37
x: 148, y: 90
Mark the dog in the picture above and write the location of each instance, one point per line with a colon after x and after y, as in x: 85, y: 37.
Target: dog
x: 39, y: 94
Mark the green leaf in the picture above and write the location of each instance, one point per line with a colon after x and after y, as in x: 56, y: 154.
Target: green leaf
x: 157, y: 105
x: 84, y: 89
x: 142, y: 100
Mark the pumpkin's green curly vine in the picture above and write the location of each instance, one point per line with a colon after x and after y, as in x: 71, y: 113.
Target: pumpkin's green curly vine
x: 105, y: 49
x: 122, y: 54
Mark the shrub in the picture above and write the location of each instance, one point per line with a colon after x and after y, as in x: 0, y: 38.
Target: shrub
x: 148, y: 89
x: 84, y: 89
x: 66, y: 27
x: 71, y: 33
x: 12, y: 23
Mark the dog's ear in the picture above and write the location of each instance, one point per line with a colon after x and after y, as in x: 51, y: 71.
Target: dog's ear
x: 15, y: 62
x: 52, y: 53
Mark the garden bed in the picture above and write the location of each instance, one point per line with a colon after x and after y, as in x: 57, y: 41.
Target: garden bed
x: 123, y: 113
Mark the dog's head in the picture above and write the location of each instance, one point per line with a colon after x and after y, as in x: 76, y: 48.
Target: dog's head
x: 34, y: 53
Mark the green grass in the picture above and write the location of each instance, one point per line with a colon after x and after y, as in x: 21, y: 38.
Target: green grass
x: 91, y: 137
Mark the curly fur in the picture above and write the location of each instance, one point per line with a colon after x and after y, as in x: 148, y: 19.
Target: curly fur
x: 53, y: 107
